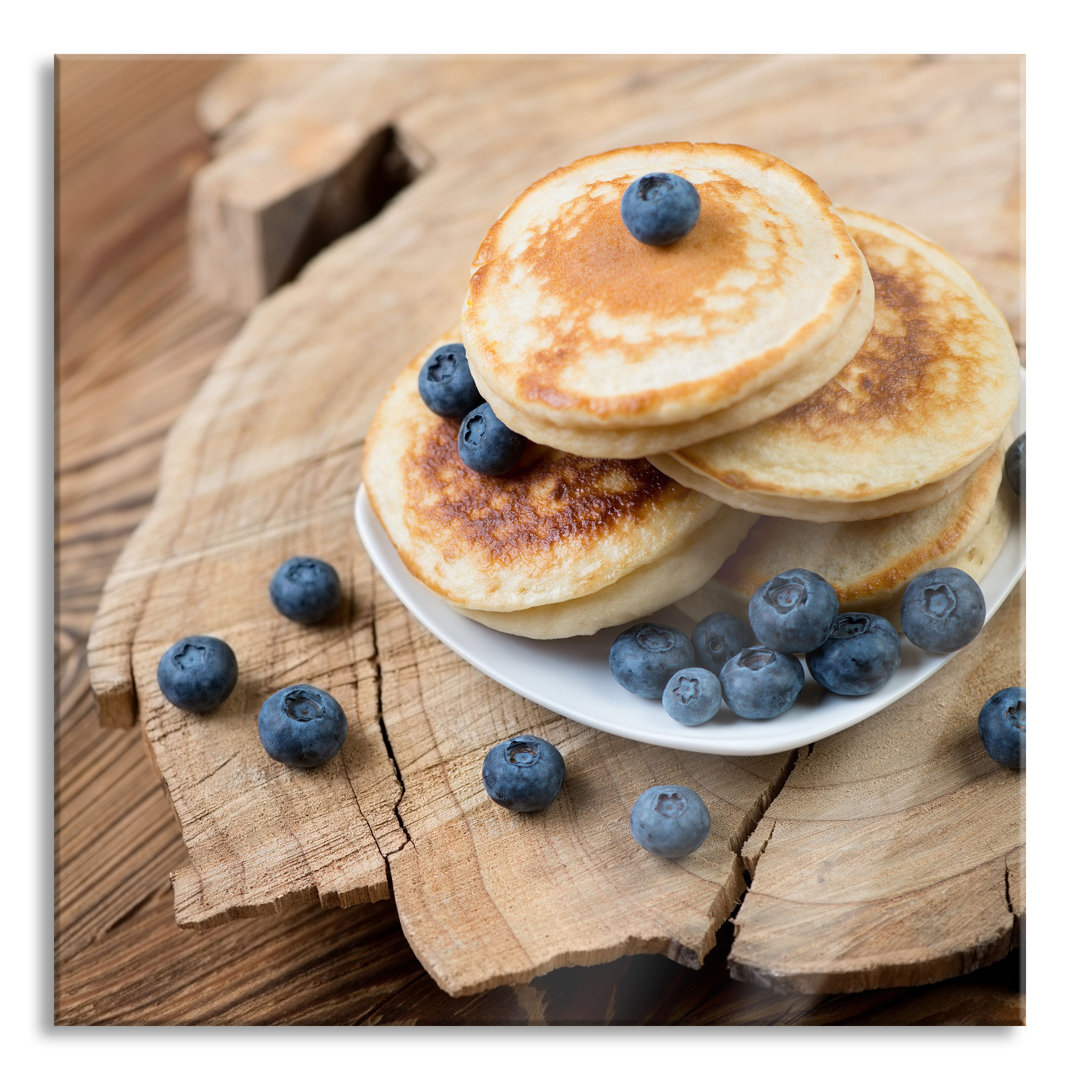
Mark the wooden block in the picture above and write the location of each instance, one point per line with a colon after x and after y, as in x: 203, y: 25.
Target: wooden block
x: 299, y: 170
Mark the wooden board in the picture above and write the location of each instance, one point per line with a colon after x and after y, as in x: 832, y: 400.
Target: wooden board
x: 265, y: 460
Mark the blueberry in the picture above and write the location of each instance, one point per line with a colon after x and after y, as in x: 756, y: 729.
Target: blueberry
x: 197, y: 673
x: 692, y: 696
x: 643, y: 658
x: 670, y: 820
x: 305, y: 589
x: 760, y: 683
x: 942, y: 610
x: 793, y: 611
x: 717, y: 638
x: 858, y: 656
x: 1003, y: 726
x: 1015, y: 464
x: 659, y: 208
x: 487, y: 445
x: 446, y: 383
x: 524, y: 774
x: 302, y: 726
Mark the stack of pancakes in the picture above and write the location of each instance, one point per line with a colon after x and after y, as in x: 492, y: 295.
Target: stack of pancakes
x: 812, y: 387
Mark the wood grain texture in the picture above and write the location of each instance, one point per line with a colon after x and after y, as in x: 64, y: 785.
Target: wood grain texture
x: 897, y: 847
x: 133, y: 345
x: 94, y: 986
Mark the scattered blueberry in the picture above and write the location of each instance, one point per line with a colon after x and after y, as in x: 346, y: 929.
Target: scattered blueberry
x: 670, y: 820
x: 645, y: 656
x: 659, y: 208
x: 859, y: 655
x: 446, y: 383
x: 305, y: 589
x: 1003, y: 726
x: 302, y: 726
x: 523, y: 774
x: 760, y: 683
x: 197, y: 673
x: 717, y: 638
x: 793, y: 611
x: 1015, y: 464
x: 692, y: 696
x: 942, y: 610
x: 487, y: 445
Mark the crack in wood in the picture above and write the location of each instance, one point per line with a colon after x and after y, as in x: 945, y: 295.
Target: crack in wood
x: 133, y: 683
x: 755, y: 816
x: 133, y: 911
x: 214, y: 771
x: 390, y: 754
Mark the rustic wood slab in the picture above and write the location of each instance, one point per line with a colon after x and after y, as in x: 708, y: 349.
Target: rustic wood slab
x: 264, y: 463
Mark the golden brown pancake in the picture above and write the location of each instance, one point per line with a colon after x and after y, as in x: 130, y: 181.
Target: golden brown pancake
x: 634, y: 442
x: 562, y: 546
x: 573, y: 325
x: 921, y: 405
x: 869, y: 563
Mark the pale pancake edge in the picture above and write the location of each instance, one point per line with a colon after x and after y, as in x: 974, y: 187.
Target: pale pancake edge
x: 788, y: 388
x: 870, y: 563
x: 664, y: 581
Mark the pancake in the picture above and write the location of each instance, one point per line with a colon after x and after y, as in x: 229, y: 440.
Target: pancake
x: 637, y: 442
x: 869, y: 563
x: 562, y: 546
x: 572, y: 326
x: 906, y: 422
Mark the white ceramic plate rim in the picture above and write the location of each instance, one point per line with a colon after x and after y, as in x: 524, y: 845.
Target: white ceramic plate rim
x: 571, y: 677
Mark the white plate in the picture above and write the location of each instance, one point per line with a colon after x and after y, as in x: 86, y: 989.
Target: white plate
x: 571, y: 676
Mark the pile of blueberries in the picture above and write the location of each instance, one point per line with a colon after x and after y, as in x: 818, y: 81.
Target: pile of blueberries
x: 756, y: 671
x: 755, y: 668
x: 300, y: 725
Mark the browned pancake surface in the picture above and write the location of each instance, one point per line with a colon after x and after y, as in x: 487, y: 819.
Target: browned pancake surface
x: 557, y: 528
x: 927, y: 395
x: 910, y: 357
x: 613, y: 273
x: 559, y: 500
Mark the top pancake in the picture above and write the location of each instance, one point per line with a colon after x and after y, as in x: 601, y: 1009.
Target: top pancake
x: 557, y: 529
x: 924, y: 401
x: 572, y: 322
